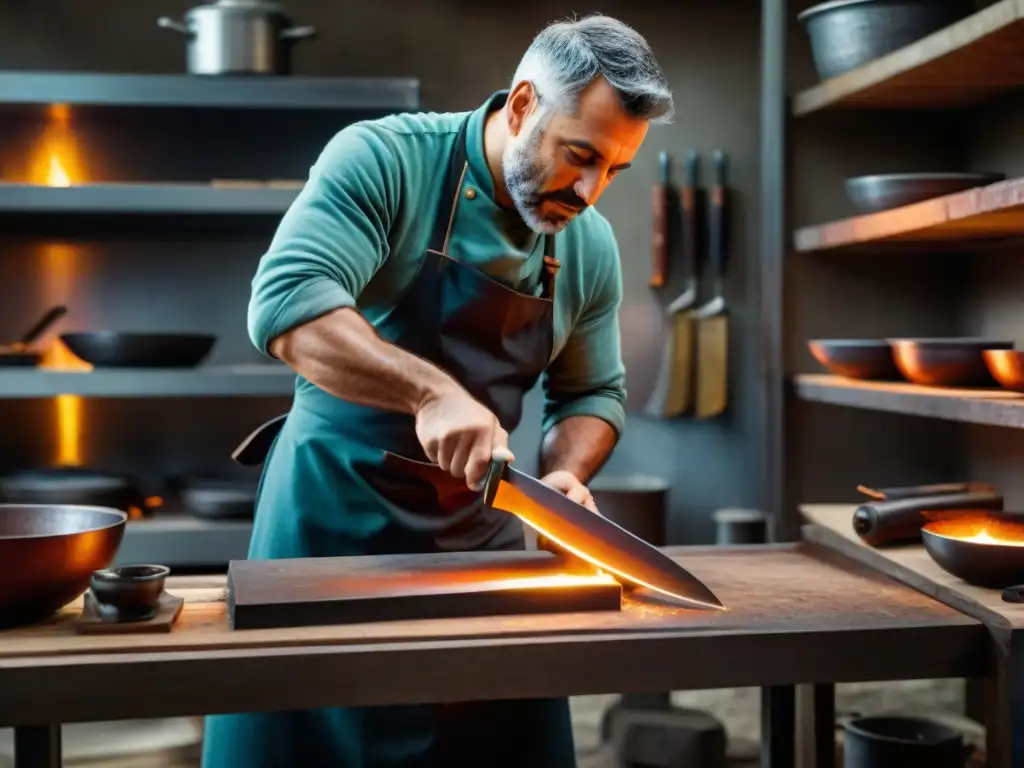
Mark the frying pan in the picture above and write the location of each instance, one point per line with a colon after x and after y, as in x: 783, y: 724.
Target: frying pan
x: 19, y: 354
x: 996, y: 562
x: 122, y: 349
x: 218, y: 498
x: 48, y: 554
x: 74, y: 486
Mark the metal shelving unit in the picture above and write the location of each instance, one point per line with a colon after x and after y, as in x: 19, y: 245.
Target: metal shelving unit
x: 382, y: 94
x: 128, y: 199
x: 257, y: 380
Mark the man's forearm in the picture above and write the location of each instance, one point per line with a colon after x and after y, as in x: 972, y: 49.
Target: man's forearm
x: 342, y: 354
x: 578, y: 444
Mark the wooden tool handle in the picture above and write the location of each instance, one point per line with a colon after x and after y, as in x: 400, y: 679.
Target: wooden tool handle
x: 659, y: 234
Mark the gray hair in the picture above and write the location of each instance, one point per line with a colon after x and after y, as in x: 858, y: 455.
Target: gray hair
x: 568, y: 55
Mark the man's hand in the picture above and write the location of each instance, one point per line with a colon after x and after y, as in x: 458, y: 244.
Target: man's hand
x: 459, y: 434
x: 569, y: 484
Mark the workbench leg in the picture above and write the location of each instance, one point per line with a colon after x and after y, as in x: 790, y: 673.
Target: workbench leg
x: 37, y: 746
x: 1004, y: 702
x: 778, y: 726
x: 817, y: 718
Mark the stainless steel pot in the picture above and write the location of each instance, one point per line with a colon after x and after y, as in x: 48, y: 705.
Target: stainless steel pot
x: 235, y: 37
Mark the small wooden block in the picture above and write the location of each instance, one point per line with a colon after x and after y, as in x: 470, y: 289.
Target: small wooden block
x: 347, y: 590
x: 91, y: 623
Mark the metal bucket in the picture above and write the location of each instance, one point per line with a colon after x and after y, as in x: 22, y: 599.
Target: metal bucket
x: 907, y: 742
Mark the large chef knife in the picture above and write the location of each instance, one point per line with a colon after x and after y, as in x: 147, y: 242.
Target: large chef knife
x: 592, y: 537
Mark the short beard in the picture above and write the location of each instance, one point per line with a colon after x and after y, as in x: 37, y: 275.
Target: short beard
x: 524, y: 177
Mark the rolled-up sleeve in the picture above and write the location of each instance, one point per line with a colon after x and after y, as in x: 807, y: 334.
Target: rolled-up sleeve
x: 587, y: 378
x: 332, y: 239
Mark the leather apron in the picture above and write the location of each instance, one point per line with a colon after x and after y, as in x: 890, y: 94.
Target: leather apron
x: 342, y: 479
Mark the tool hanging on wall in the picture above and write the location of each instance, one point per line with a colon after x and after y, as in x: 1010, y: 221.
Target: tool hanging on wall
x: 673, y: 391
x: 713, y: 317
x: 661, y: 194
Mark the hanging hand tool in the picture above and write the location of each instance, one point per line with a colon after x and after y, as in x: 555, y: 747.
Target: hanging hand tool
x: 673, y: 391
x: 661, y: 194
x: 713, y: 317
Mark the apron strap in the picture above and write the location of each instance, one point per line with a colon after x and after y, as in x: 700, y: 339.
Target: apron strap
x: 551, y: 267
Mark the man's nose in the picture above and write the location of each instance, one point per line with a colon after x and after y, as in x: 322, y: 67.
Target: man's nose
x: 589, y: 187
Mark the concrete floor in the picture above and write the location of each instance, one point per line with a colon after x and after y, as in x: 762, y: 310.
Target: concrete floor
x: 172, y: 743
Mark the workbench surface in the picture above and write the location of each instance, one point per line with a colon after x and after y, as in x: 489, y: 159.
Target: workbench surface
x: 796, y: 613
x: 832, y: 525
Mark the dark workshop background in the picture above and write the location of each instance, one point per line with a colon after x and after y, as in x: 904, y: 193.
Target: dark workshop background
x: 461, y: 52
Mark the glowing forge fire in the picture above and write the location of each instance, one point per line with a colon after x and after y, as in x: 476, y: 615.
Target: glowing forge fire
x: 980, y: 529
x: 56, y: 162
x: 560, y: 580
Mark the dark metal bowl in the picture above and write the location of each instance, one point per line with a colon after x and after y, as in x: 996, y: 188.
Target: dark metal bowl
x: 1006, y: 367
x: 992, y: 563
x: 133, y: 591
x: 846, y: 34
x: 945, y: 362
x: 856, y: 358
x: 116, y: 349
x: 880, y: 192
x: 48, y: 553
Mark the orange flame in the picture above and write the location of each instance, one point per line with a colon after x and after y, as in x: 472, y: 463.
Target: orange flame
x: 56, y: 163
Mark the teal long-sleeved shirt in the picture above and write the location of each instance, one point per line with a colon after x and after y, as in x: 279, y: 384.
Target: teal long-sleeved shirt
x: 355, y: 235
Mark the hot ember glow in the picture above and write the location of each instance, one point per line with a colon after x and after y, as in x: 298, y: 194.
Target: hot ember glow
x: 981, y: 529
x: 560, y: 580
x: 56, y: 162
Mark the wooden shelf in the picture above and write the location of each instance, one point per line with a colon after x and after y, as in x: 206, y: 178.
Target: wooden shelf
x: 995, y: 407
x: 964, y: 64
x: 176, y: 199
x: 985, y: 213
x: 258, y: 380
x: 357, y: 94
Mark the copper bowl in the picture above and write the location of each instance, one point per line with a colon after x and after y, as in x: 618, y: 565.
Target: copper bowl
x: 1006, y: 367
x: 984, y: 549
x: 949, y: 362
x: 48, y: 554
x: 855, y: 358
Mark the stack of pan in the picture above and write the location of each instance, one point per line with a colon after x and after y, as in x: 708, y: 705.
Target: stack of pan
x: 934, y: 362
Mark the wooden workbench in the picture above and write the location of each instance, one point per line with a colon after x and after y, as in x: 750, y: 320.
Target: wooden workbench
x: 831, y: 525
x: 796, y: 614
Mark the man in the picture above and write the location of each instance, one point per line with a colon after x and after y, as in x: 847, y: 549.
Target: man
x: 432, y: 270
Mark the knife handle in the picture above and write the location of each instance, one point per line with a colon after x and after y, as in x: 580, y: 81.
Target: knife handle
x: 719, y: 216
x: 688, y: 204
x: 495, y: 471
x: 659, y: 234
x: 915, y: 491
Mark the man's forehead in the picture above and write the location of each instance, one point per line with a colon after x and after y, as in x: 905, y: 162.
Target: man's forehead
x: 601, y: 122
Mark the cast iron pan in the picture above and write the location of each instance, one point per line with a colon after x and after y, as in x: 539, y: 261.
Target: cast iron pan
x: 74, y: 485
x: 20, y: 354
x: 216, y: 498
x: 995, y: 562
x: 118, y: 349
x: 880, y: 192
x: 49, y: 553
x: 856, y: 358
x: 945, y: 362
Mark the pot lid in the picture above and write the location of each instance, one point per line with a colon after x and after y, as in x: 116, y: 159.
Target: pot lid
x: 264, y: 6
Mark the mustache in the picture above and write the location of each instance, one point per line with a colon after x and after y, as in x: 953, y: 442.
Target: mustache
x: 566, y: 197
